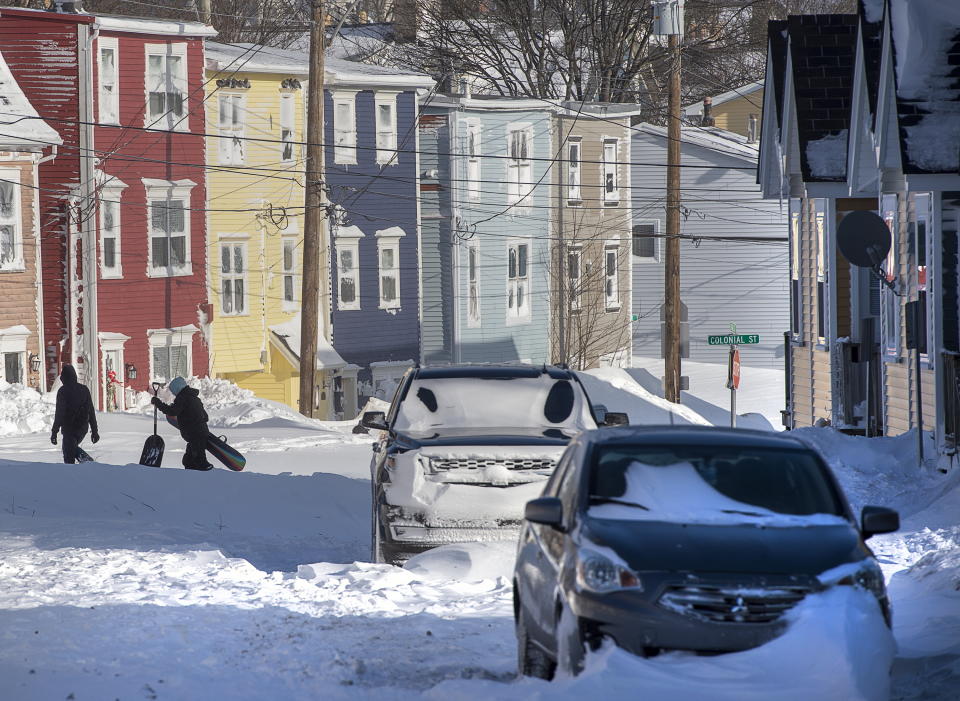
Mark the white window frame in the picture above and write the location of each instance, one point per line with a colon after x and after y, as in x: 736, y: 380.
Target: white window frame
x: 21, y: 361
x: 517, y: 285
x: 473, y: 153
x: 14, y: 340
x: 289, y: 273
x: 158, y: 193
x: 610, y: 169
x: 386, y: 134
x: 821, y: 299
x: 168, y: 338
x: 389, y: 240
x: 574, y: 171
x: 348, y: 239
x: 13, y: 219
x: 288, y: 126
x: 655, y: 258
x: 233, y: 277
x: 108, y: 109
x: 111, y: 196
x: 474, y: 299
x: 574, y: 282
x: 796, y: 278
x: 611, y: 283
x: 519, y: 171
x: 231, y: 144
x: 345, y: 131
x: 172, y: 85
x: 890, y: 301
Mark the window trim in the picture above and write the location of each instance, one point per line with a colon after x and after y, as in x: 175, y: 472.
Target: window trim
x: 574, y: 194
x: 178, y: 336
x: 474, y: 321
x: 345, y: 153
x: 167, y: 191
x: 243, y: 277
x: 112, y: 193
x: 574, y: 302
x: 612, y: 245
x: 822, y: 280
x: 234, y: 136
x: 348, y: 238
x: 109, y: 44
x: 14, y: 340
x: 17, y: 264
x: 515, y: 167
x: 795, y: 232
x: 473, y: 164
x: 386, y: 155
x: 21, y: 359
x: 612, y: 167
x: 165, y: 50
x: 389, y: 239
x: 288, y: 97
x: 522, y: 315
x: 289, y: 305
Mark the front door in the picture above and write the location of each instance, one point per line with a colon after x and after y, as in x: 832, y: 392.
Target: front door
x: 113, y: 381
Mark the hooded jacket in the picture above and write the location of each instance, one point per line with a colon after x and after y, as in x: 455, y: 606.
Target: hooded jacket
x: 188, y: 409
x: 75, y: 413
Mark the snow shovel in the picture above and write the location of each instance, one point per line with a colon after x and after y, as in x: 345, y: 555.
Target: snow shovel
x: 152, y: 454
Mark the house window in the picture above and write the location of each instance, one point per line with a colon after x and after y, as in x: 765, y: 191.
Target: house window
x: 109, y: 92
x: 611, y: 284
x: 169, y: 227
x: 645, y: 241
x: 170, y: 361
x: 518, y: 281
x: 287, y: 122
x: 389, y: 254
x: 796, y: 310
x: 348, y: 275
x: 167, y: 84
x: 110, y: 234
x: 890, y: 307
x: 231, y: 118
x: 233, y: 276
x: 473, y: 285
x: 519, y: 165
x: 473, y: 161
x: 920, y: 248
x: 573, y: 171
x: 13, y: 368
x: 344, y: 128
x: 289, y: 272
x: 820, y: 233
x: 385, y: 105
x: 11, y: 247
x: 574, y: 277
x: 611, y: 181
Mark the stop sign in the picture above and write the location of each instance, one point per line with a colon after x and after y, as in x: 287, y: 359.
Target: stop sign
x: 733, y: 369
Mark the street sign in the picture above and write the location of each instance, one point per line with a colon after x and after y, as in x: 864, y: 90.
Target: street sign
x: 733, y: 370
x: 733, y: 340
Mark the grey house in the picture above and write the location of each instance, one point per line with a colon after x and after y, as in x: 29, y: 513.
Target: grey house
x: 734, y: 266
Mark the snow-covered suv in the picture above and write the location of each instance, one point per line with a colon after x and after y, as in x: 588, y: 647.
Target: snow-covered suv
x: 463, y: 448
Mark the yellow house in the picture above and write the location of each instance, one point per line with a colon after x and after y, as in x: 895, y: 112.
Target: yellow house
x: 255, y: 124
x: 737, y: 110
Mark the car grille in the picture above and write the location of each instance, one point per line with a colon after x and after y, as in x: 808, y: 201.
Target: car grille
x: 483, y: 463
x: 732, y: 605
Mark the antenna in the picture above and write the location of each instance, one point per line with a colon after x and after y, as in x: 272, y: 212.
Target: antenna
x: 864, y: 239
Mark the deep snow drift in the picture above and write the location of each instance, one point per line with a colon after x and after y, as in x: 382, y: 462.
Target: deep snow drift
x: 118, y: 580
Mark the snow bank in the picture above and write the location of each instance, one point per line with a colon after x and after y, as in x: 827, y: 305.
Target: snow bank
x: 465, y: 561
x: 617, y: 391
x: 24, y: 410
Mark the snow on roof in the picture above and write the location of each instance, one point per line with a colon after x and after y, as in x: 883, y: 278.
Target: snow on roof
x: 252, y: 58
x: 926, y: 41
x: 288, y: 334
x: 726, y: 142
x: 827, y: 156
x: 20, y: 125
x: 696, y: 109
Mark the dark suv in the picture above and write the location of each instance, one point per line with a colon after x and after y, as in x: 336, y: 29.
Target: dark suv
x: 463, y: 448
x: 682, y: 538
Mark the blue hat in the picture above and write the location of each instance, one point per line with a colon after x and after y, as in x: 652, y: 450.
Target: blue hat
x: 177, y: 384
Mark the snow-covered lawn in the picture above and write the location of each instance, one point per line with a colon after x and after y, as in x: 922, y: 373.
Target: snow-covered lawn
x: 122, y: 581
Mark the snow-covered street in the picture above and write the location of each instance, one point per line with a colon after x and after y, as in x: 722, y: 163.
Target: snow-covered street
x: 124, y: 581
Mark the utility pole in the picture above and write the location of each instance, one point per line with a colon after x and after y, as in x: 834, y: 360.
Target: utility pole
x: 670, y: 22
x: 314, y: 215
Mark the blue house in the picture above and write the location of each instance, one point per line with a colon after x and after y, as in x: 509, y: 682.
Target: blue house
x: 485, y: 229
x: 371, y: 175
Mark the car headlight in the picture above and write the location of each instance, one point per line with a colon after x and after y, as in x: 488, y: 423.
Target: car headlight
x: 869, y: 577
x: 598, y: 573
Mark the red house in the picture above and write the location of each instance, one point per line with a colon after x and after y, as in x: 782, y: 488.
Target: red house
x: 122, y: 207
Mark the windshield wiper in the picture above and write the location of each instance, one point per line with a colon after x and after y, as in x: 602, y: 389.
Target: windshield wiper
x: 742, y: 513
x: 614, y: 500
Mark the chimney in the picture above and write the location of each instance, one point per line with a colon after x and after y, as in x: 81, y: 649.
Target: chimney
x: 707, y: 119
x: 752, y: 122
x: 67, y: 7
x: 405, y: 21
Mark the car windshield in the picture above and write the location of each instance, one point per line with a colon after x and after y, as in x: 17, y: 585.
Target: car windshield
x: 711, y: 484
x: 539, y: 402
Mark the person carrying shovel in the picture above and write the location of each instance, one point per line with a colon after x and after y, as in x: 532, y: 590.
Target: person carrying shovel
x: 191, y: 420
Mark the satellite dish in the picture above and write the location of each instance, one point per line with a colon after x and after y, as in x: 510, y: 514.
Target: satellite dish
x: 863, y: 239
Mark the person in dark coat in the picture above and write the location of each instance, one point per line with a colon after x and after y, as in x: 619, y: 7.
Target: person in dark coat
x: 75, y: 415
x: 191, y: 420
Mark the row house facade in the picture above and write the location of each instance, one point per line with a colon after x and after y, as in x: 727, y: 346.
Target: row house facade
x: 122, y: 208
x: 25, y: 142
x: 874, y: 353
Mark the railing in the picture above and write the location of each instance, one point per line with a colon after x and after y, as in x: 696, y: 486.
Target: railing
x: 951, y: 400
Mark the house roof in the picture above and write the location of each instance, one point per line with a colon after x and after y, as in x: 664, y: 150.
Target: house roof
x: 119, y: 23
x: 721, y: 141
x: 821, y: 53
x: 696, y: 109
x: 253, y: 58
x: 871, y: 36
x: 926, y: 53
x: 777, y: 33
x: 286, y: 338
x: 20, y: 126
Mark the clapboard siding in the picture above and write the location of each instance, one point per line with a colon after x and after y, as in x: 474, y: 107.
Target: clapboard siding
x: 721, y: 282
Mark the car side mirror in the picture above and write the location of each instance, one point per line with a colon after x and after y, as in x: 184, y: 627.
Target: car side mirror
x: 599, y: 414
x: 547, y: 511
x: 616, y: 418
x: 376, y: 420
x: 875, y: 520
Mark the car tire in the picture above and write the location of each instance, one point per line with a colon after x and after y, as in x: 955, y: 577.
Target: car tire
x: 570, y: 646
x: 531, y: 660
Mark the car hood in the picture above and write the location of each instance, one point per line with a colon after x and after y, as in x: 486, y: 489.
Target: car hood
x: 748, y: 549
x: 487, y: 436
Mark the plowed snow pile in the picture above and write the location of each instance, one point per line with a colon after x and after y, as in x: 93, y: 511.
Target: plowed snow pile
x: 24, y: 410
